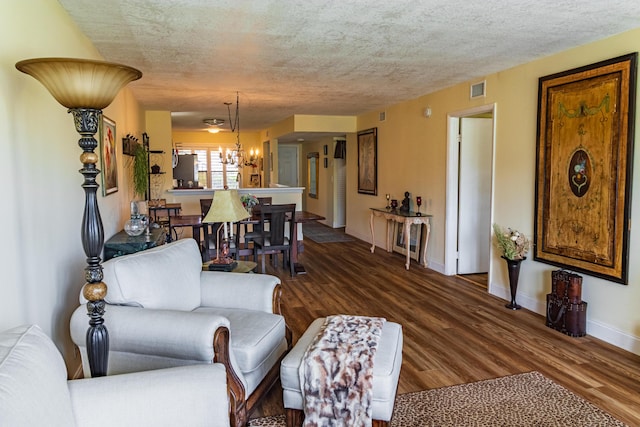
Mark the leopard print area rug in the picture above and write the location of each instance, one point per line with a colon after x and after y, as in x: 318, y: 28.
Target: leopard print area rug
x: 528, y: 399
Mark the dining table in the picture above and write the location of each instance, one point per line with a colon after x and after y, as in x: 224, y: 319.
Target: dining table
x: 301, y: 217
x: 180, y: 221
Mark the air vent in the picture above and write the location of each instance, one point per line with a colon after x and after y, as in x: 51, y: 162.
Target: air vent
x: 382, y: 116
x: 478, y: 90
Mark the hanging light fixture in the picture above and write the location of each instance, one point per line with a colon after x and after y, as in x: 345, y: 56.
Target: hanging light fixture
x: 235, y: 156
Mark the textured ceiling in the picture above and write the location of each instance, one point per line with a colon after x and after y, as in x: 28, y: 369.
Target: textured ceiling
x: 332, y: 57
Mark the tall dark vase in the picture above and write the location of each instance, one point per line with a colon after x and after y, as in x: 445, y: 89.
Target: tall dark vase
x: 513, y: 265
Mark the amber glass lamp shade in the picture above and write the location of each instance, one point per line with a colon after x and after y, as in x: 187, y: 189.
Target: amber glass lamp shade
x: 80, y: 83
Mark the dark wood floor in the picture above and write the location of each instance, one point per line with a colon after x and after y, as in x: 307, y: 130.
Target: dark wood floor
x: 454, y: 331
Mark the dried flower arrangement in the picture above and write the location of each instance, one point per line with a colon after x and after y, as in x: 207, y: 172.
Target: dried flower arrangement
x: 514, y: 245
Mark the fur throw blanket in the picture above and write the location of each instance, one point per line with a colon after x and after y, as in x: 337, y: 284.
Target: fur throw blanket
x: 336, y: 374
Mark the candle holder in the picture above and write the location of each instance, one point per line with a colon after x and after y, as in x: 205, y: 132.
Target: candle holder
x: 388, y: 196
x: 419, y: 203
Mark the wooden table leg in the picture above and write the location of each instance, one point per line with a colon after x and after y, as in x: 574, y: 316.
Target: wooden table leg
x: 427, y: 226
x: 407, y: 243
x: 373, y: 236
x: 297, y: 267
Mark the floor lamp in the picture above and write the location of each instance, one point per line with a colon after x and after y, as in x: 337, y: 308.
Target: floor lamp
x: 85, y: 87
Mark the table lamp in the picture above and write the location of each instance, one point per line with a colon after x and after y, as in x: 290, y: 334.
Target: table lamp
x: 226, y: 206
x: 85, y: 87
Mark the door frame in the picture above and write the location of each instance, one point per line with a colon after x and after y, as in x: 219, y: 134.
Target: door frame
x: 452, y: 171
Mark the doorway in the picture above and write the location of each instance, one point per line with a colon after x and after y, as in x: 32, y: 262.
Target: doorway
x: 469, y: 192
x: 288, y: 165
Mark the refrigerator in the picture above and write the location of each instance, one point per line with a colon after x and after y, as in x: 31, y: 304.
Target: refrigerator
x: 186, y: 171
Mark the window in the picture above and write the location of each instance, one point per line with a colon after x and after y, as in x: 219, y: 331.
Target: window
x: 210, y: 168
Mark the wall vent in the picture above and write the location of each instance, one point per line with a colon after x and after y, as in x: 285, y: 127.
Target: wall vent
x: 478, y: 90
x: 382, y: 116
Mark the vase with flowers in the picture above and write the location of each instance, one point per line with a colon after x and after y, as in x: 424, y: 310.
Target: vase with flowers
x: 514, y: 246
x: 248, y: 201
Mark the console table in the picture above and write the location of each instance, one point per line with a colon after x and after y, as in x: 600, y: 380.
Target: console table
x: 122, y: 244
x: 407, y: 218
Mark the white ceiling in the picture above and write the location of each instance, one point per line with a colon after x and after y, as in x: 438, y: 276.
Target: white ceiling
x: 331, y: 57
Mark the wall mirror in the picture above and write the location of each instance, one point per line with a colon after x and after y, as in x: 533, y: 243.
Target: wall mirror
x: 312, y: 174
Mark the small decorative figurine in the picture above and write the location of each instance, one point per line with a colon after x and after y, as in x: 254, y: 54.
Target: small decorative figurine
x: 406, y: 202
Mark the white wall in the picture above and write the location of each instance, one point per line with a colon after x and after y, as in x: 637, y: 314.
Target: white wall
x: 41, y: 268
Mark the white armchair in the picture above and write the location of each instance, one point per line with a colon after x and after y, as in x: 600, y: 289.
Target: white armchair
x: 34, y: 391
x: 163, y: 311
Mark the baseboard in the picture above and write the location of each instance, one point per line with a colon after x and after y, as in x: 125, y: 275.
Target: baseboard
x: 595, y: 328
x: 613, y: 336
x: 435, y: 266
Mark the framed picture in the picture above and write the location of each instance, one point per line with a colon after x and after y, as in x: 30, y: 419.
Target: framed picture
x: 584, y: 163
x: 415, y: 238
x: 109, y: 164
x: 128, y: 146
x: 254, y: 180
x: 368, y: 161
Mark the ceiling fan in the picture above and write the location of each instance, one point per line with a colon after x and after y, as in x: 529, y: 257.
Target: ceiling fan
x: 214, y: 124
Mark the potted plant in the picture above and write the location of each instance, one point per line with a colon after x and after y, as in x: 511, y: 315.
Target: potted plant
x: 140, y: 171
x: 514, y: 246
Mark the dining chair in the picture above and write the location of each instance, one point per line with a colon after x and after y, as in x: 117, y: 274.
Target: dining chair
x: 162, y: 221
x: 275, y: 240
x: 256, y: 230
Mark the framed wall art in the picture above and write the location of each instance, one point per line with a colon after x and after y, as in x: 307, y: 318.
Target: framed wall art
x: 415, y: 240
x: 109, y: 165
x: 254, y: 180
x: 368, y: 161
x: 584, y: 164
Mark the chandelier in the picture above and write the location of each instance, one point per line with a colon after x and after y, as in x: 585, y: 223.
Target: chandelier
x: 235, y: 156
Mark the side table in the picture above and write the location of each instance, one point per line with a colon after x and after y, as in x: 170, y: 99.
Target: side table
x: 242, y: 267
x: 405, y: 218
x: 123, y: 244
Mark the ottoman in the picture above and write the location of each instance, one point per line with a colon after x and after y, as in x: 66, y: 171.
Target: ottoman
x: 386, y: 372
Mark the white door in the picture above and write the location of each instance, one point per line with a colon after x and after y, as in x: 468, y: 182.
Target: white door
x: 339, y: 193
x: 474, y: 195
x: 288, y: 165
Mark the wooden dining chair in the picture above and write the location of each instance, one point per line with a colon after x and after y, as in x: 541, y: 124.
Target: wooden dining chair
x: 275, y: 240
x: 255, y: 232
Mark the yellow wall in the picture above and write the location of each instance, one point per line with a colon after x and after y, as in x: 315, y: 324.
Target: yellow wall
x: 412, y: 157
x: 42, y: 263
